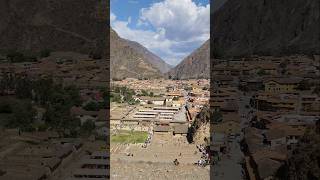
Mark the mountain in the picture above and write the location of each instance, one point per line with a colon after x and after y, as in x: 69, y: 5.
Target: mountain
x: 153, y: 59
x: 57, y: 25
x: 267, y: 27
x: 217, y: 4
x: 130, y: 59
x: 194, y: 66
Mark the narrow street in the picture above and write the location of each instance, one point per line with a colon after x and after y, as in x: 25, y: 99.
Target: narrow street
x: 229, y: 168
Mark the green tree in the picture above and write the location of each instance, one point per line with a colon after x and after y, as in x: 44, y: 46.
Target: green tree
x: 316, y: 90
x: 45, y: 53
x: 115, y: 97
x: 22, y: 115
x: 43, y: 89
x: 23, y: 88
x: 92, y: 106
x: 71, y: 126
x: 14, y: 56
x: 175, y: 98
x: 73, y: 94
x: 144, y: 92
x: 216, y: 117
x: 106, y: 98
x: 261, y: 72
x: 88, y: 126
x: 303, y: 85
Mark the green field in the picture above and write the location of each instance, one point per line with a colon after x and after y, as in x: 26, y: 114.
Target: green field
x: 129, y: 137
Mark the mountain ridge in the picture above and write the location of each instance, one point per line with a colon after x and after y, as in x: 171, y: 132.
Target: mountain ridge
x: 194, y: 66
x: 131, y: 59
x: 155, y: 60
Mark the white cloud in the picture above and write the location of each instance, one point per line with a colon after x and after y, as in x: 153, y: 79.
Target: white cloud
x: 182, y: 19
x: 177, y: 23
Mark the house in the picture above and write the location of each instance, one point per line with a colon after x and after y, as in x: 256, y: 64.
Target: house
x: 84, y: 115
x: 159, y: 101
x: 293, y: 133
x: 162, y: 129
x: 181, y: 129
x: 275, y: 137
x: 218, y: 143
x: 269, y: 68
x: 281, y: 85
x: 229, y: 125
x: 273, y: 102
x: 223, y: 81
x: 267, y: 162
x: 251, y: 84
x: 178, y: 103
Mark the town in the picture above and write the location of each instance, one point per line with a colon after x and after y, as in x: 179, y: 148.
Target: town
x: 149, y: 126
x: 53, y: 116
x: 271, y: 107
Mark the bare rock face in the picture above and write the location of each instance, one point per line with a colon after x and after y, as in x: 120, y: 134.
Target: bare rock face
x: 195, y: 66
x: 130, y: 59
x: 58, y: 25
x: 153, y: 59
x: 267, y: 27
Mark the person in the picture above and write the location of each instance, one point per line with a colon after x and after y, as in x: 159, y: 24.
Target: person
x: 176, y: 162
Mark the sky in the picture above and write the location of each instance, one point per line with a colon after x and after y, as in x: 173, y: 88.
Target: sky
x: 171, y: 29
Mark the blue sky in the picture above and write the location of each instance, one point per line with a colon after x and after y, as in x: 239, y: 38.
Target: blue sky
x: 171, y: 29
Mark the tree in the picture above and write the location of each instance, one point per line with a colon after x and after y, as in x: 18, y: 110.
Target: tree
x: 71, y: 126
x: 74, y: 95
x: 316, y: 90
x: 144, y: 92
x: 88, y: 126
x: 22, y: 115
x: 92, y: 106
x: 23, y: 88
x: 303, y: 85
x: 261, y: 72
x: 45, y: 53
x: 115, y: 97
x: 5, y: 107
x: 43, y: 89
x: 216, y: 117
x: 14, y: 56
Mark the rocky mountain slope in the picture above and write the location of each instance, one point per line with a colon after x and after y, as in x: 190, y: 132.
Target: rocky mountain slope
x: 58, y: 25
x: 267, y: 27
x: 130, y: 59
x: 153, y: 59
x: 196, y: 65
x: 217, y: 4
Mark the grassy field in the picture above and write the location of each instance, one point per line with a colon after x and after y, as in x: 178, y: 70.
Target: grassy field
x: 129, y: 137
